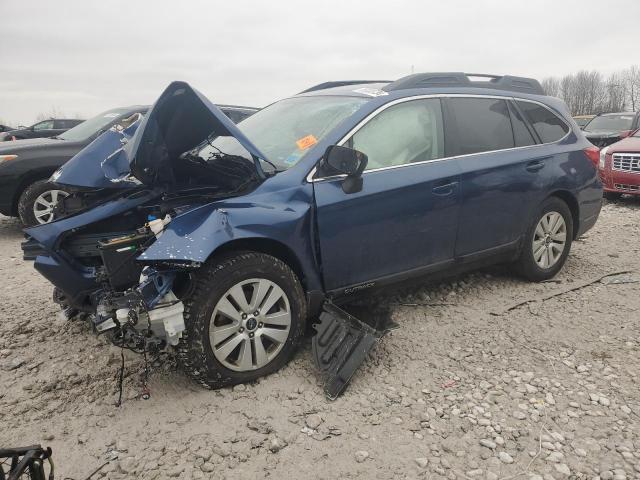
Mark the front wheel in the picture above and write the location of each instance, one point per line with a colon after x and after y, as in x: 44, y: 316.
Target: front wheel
x: 38, y: 202
x: 547, y: 242
x: 243, y: 321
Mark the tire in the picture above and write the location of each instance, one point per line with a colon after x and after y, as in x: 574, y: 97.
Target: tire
x: 211, y: 295
x: 27, y: 203
x: 532, y: 266
x: 612, y: 196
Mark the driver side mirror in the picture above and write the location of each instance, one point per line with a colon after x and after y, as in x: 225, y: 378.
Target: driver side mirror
x: 339, y: 160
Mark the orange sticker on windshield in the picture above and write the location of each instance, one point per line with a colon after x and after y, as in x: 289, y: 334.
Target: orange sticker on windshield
x: 306, y: 142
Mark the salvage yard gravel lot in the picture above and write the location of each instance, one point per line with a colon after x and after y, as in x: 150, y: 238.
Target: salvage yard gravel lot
x: 469, y: 386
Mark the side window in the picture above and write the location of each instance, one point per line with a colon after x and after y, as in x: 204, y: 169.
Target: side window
x: 483, y: 125
x: 63, y: 124
x: 547, y: 125
x: 405, y: 133
x: 46, y: 125
x: 521, y: 133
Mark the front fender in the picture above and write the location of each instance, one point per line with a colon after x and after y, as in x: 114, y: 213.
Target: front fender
x: 196, y: 235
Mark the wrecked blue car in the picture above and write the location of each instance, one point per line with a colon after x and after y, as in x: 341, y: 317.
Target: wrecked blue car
x: 222, y: 241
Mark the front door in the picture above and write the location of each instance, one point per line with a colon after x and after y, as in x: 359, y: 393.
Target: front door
x: 406, y: 215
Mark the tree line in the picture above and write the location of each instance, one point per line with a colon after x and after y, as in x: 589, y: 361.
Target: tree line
x: 588, y: 92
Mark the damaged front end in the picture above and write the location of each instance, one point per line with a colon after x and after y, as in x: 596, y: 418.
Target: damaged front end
x: 149, y: 174
x: 95, y: 270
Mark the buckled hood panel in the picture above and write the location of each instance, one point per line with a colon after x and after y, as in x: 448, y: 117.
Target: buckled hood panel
x: 181, y: 119
x: 149, y: 149
x: 101, y: 164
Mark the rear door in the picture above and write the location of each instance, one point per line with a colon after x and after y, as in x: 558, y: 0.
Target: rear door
x: 406, y: 216
x: 498, y: 180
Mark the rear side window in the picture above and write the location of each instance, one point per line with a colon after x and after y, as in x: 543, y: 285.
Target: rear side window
x: 483, y: 125
x: 548, y: 126
x: 521, y: 134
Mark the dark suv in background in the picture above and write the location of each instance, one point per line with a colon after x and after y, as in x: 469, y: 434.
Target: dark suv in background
x: 608, y: 128
x: 43, y: 129
x: 232, y: 237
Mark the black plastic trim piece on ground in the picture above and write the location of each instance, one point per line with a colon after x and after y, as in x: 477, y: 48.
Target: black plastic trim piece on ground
x: 341, y: 344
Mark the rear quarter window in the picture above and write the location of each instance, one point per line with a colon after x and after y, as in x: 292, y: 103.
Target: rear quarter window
x: 548, y: 126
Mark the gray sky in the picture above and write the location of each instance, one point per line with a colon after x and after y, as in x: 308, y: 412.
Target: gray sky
x: 80, y: 57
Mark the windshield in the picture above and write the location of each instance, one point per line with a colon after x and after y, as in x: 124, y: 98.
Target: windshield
x: 286, y: 130
x: 92, y: 126
x: 609, y: 123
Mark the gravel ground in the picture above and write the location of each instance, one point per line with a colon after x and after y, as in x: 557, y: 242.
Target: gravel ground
x: 465, y: 388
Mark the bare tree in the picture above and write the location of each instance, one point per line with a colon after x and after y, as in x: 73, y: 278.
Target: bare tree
x: 53, y: 113
x: 616, y: 94
x: 551, y: 86
x: 631, y: 80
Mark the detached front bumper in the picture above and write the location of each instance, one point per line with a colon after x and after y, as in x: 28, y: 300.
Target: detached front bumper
x: 78, y: 283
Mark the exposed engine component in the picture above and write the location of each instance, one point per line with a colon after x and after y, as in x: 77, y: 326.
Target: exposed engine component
x: 151, y: 308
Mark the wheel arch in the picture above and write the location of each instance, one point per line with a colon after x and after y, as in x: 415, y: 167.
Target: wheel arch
x: 28, y: 179
x: 267, y: 246
x: 571, y: 201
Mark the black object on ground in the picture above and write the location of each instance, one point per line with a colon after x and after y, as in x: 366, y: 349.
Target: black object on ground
x: 25, y: 462
x: 342, y: 342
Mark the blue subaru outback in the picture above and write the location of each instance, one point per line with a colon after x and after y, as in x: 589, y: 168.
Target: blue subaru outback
x: 222, y: 241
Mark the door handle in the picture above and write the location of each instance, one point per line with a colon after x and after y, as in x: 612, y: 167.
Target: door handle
x: 444, y: 190
x: 535, y: 166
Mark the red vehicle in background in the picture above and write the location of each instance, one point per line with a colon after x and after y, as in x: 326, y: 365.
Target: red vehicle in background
x: 619, y: 167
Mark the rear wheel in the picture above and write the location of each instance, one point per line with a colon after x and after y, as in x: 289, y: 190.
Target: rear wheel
x: 243, y: 321
x: 547, y: 241
x: 38, y: 201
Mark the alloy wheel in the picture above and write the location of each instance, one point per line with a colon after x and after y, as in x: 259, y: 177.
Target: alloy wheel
x: 549, y: 240
x: 45, y: 203
x: 250, y: 324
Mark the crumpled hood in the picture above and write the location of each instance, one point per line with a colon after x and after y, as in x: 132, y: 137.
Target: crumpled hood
x: 149, y: 149
x: 180, y: 119
x: 101, y: 164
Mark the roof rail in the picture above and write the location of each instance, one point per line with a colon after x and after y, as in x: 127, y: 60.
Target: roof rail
x: 340, y: 83
x: 460, y: 79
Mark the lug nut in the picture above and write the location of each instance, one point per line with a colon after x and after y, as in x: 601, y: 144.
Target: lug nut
x: 256, y: 313
x: 241, y: 329
x: 251, y: 335
x: 260, y: 325
x: 244, y: 315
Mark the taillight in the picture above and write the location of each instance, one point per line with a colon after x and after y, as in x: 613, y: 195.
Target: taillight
x: 593, y: 153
